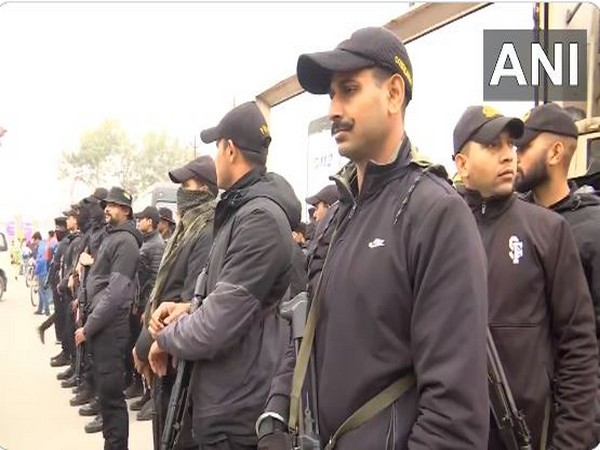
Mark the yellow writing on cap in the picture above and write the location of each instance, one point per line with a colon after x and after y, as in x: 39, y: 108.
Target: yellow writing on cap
x: 126, y: 195
x: 404, y: 69
x: 264, y: 130
x: 526, y: 116
x: 489, y: 111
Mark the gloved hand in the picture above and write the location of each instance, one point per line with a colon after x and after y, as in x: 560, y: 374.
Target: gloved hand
x: 278, y: 440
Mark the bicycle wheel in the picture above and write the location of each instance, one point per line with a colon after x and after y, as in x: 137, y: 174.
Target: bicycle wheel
x: 33, y: 294
x: 28, y: 277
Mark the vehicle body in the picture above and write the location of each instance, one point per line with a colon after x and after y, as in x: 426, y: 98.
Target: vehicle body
x: 159, y: 195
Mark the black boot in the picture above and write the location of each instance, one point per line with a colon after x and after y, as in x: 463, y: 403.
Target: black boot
x: 91, y: 409
x: 146, y: 412
x: 69, y: 382
x: 59, y: 355
x: 83, y: 396
x: 95, y: 426
x: 135, y: 389
x: 68, y: 373
x: 139, y: 403
x: 62, y: 360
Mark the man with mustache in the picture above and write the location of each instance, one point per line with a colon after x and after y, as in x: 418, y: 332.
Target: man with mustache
x: 540, y: 311
x: 544, y: 154
x: 400, y: 310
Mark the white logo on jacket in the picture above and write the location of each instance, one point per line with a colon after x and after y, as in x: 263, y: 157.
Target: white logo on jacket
x: 377, y: 243
x: 516, y: 249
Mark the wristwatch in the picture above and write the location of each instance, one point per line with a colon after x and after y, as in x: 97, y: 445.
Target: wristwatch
x: 268, y: 423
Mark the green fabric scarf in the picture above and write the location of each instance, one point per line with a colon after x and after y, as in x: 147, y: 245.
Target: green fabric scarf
x: 188, y: 230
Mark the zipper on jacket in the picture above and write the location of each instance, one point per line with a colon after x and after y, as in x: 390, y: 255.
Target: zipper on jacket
x: 483, y: 208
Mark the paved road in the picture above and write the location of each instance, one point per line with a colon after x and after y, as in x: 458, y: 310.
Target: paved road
x: 34, y: 410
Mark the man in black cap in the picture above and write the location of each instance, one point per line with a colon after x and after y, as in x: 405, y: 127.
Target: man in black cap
x: 67, y: 264
x: 540, y: 311
x: 91, y: 221
x: 166, y: 224
x: 323, y: 200
x: 402, y: 295
x: 544, y: 155
x: 111, y: 287
x: 151, y: 254
x: 236, y: 335
x: 184, y: 258
x: 53, y: 279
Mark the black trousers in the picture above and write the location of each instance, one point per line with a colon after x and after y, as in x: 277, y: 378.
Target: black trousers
x: 108, y: 353
x: 59, y: 316
x: 135, y: 326
x: 68, y: 339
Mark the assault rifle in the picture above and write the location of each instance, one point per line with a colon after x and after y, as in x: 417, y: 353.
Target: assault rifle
x: 511, y: 423
x: 179, y: 401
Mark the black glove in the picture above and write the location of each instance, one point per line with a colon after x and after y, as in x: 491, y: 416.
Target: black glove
x: 278, y: 440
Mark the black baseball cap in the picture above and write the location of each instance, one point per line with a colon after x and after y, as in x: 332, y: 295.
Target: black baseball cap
x: 202, y: 167
x: 329, y: 195
x: 98, y: 196
x: 60, y: 221
x: 483, y: 124
x: 245, y: 125
x: 367, y: 47
x: 72, y: 211
x: 149, y: 212
x: 166, y: 214
x: 118, y: 196
x: 548, y: 118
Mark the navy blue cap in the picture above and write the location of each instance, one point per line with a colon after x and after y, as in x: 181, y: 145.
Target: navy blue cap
x: 245, y: 125
x: 548, y: 118
x: 483, y: 124
x: 367, y: 47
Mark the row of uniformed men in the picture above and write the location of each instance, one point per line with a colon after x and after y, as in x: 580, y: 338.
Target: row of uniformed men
x: 410, y: 280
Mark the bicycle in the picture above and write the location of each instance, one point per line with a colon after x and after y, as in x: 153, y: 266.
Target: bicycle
x: 33, y: 291
x: 30, y: 273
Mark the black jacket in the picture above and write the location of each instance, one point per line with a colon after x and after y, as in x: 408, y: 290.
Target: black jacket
x: 540, y: 316
x: 181, y: 281
x: 298, y: 277
x: 68, y: 262
x: 151, y: 254
x: 236, y: 335
x: 54, y: 273
x: 404, y: 289
x: 582, y: 212
x: 111, y: 284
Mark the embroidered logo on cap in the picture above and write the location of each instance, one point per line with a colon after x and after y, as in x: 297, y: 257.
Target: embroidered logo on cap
x: 489, y: 112
x: 403, y: 68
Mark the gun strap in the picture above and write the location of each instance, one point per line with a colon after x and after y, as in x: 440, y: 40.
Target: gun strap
x: 545, y: 425
x: 306, y: 346
x: 373, y: 407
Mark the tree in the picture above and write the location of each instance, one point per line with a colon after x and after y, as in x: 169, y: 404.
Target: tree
x: 158, y: 155
x: 106, y: 156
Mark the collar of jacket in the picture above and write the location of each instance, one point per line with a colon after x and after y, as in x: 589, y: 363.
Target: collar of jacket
x: 376, y: 175
x: 235, y: 196
x: 151, y: 235
x: 490, y: 207
x: 72, y: 236
x: 571, y: 202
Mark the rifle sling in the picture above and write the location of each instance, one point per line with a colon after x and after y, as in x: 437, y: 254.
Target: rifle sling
x: 373, y: 407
